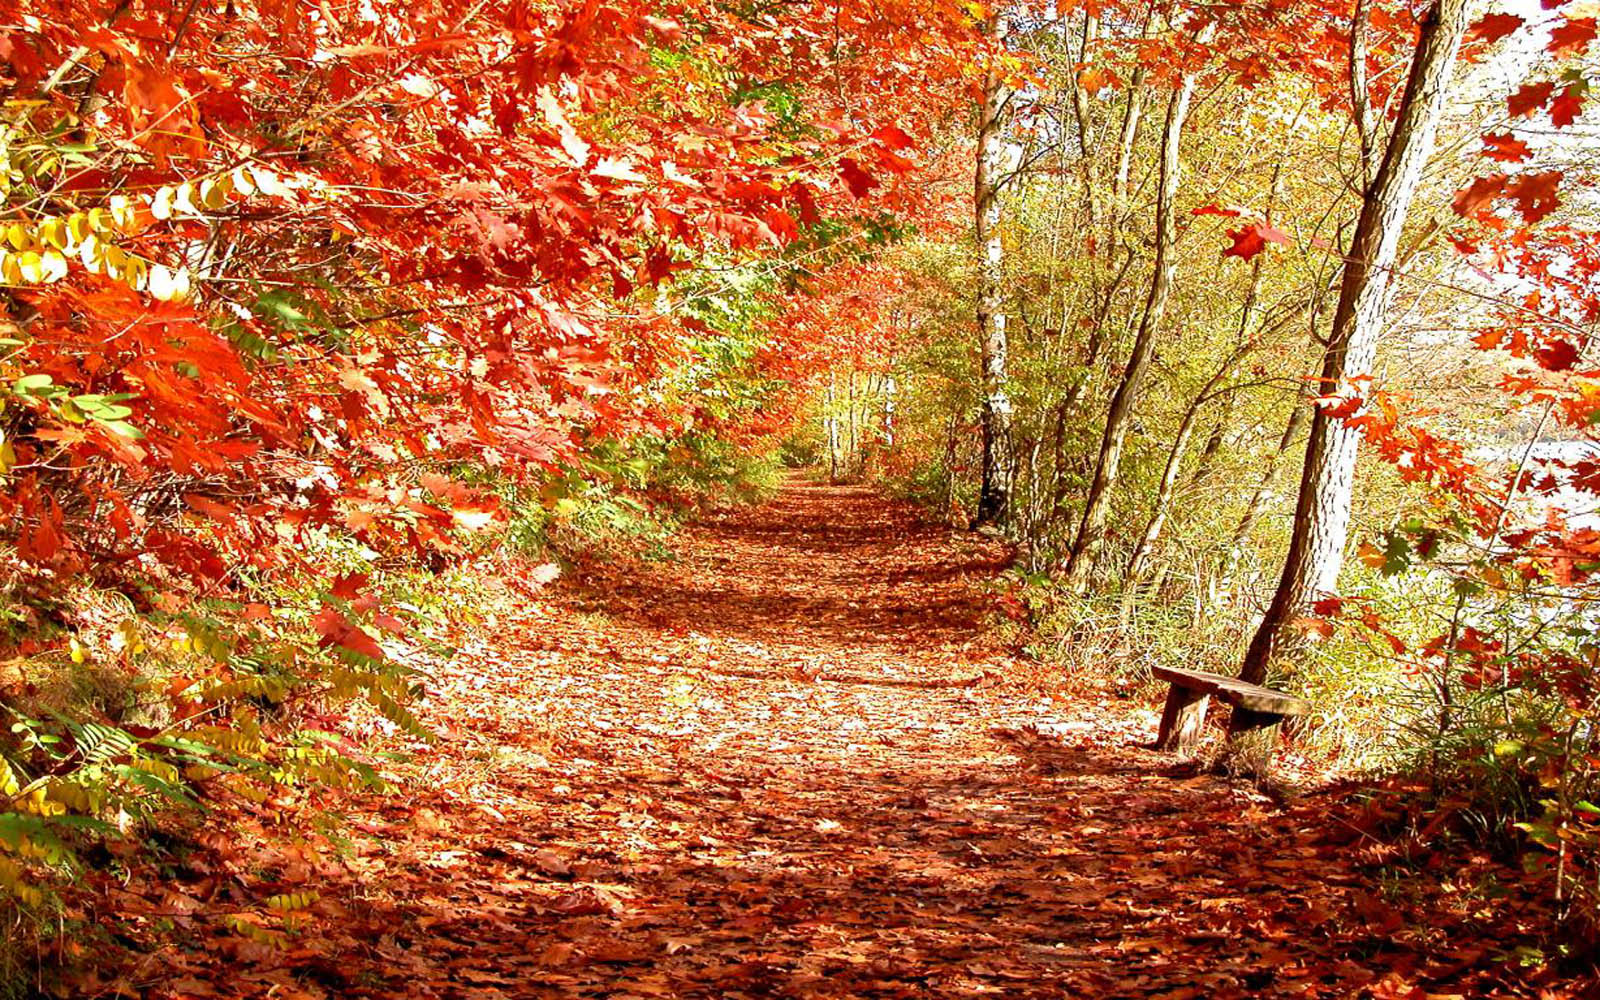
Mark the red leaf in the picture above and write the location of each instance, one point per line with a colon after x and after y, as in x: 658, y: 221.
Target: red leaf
x: 1476, y: 197
x: 893, y: 137
x: 1530, y: 98
x: 1505, y: 147
x: 1557, y: 355
x: 1252, y: 239
x: 1215, y: 209
x: 348, y: 587
x: 1488, y: 340
x: 1493, y: 27
x: 857, y: 180
x: 1246, y: 243
x: 1564, y: 110
x: 1535, y: 194
x: 1572, y: 37
x: 336, y: 630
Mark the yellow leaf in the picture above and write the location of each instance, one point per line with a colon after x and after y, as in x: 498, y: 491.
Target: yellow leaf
x: 161, y: 203
x: 168, y: 285
x: 1373, y: 556
x: 123, y: 213
x: 214, y: 192
x: 54, y: 232
x: 8, y: 778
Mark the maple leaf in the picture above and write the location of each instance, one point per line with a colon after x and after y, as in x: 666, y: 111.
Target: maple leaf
x: 1566, y: 108
x: 1529, y: 98
x: 1488, y: 340
x: 1492, y: 27
x: 1252, y: 239
x: 1505, y: 147
x: 893, y: 137
x: 1572, y: 37
x: 336, y: 630
x: 1557, y: 355
x: 856, y: 179
x: 349, y: 586
x: 1475, y: 198
x: 1095, y: 79
x: 1535, y: 194
x: 1215, y: 209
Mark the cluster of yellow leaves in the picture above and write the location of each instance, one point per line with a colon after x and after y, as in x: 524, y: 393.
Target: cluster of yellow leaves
x: 41, y: 251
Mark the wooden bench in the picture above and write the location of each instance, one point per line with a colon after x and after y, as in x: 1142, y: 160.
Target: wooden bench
x: 1254, y: 707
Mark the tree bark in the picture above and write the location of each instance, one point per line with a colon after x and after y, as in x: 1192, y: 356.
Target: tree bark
x: 1322, y: 510
x: 995, y: 488
x: 1090, y: 539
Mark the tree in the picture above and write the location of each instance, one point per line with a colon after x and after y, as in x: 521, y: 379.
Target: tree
x: 1119, y: 419
x: 988, y: 179
x: 1322, y: 507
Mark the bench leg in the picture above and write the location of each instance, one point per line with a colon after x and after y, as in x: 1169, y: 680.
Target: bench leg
x: 1182, y: 719
x: 1245, y: 721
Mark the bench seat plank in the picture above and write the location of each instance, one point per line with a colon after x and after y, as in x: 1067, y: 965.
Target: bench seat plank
x: 1254, y: 706
x: 1250, y: 697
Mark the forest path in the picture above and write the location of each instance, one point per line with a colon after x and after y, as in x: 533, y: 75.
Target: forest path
x: 760, y: 771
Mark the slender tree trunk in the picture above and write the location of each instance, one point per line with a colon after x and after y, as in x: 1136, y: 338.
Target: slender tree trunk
x: 831, y: 420
x: 1169, y: 479
x: 1125, y: 142
x: 1169, y: 475
x: 890, y: 387
x: 1322, y: 510
x: 995, y: 488
x: 1086, y: 135
x: 1298, y: 418
x: 853, y: 449
x: 1091, y: 530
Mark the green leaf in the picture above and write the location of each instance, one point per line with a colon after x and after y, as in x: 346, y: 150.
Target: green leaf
x: 1509, y: 748
x: 123, y: 428
x: 31, y: 385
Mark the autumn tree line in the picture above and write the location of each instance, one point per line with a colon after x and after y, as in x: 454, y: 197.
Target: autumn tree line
x: 1266, y: 341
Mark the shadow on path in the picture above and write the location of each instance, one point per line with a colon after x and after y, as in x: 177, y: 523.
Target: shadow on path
x: 663, y: 803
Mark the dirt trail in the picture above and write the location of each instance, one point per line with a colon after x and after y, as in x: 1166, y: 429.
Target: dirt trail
x: 761, y: 770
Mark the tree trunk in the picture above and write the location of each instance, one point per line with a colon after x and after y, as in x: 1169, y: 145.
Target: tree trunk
x: 1085, y: 119
x: 1298, y: 418
x: 994, y: 492
x: 1169, y: 479
x: 1322, y: 510
x: 831, y: 421
x: 1091, y: 530
x: 1169, y: 475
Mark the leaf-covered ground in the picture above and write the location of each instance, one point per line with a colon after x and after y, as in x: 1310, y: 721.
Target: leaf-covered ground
x: 792, y: 763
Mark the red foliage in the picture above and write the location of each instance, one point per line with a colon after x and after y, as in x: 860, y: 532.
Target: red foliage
x: 304, y: 257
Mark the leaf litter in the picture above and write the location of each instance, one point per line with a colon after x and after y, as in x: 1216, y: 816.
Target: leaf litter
x: 794, y: 762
